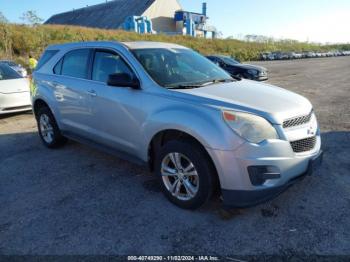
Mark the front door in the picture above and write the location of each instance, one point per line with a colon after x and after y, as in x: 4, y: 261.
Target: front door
x: 117, y: 111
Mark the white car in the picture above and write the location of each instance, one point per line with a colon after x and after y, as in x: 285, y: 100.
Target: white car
x: 14, y: 91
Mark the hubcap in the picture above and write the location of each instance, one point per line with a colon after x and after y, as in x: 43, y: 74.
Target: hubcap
x: 46, y: 128
x: 180, y: 176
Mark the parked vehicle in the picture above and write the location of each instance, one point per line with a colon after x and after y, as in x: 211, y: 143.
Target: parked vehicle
x: 172, y: 109
x: 14, y: 91
x: 235, y: 68
x: 267, y: 56
x: 311, y: 55
x: 17, y: 67
x: 277, y: 55
x: 297, y: 55
x: 290, y: 55
x: 306, y: 54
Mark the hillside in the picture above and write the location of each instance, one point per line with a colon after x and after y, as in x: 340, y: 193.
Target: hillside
x: 17, y: 41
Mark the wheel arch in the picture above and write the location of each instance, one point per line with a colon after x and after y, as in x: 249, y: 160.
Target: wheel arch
x: 39, y: 103
x: 163, y: 136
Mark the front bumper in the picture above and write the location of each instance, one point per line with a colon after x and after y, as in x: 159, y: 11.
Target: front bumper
x: 237, y: 186
x: 261, y: 78
x: 247, y: 198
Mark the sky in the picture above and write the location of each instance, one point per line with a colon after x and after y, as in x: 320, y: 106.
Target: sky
x: 324, y: 21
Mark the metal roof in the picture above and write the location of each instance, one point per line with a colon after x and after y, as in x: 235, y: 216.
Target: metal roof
x: 130, y: 45
x: 149, y: 44
x: 109, y: 15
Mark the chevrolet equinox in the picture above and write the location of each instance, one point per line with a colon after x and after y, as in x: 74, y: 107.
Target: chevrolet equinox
x: 163, y: 105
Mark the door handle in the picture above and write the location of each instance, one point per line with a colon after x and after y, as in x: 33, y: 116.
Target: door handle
x: 92, y: 93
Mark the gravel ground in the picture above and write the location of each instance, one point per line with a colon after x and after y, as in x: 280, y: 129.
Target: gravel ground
x: 77, y: 200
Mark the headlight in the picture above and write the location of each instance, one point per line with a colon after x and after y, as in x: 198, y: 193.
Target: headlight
x: 251, y: 127
x: 253, y: 72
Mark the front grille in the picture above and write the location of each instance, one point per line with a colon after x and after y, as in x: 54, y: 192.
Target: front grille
x: 303, y: 145
x: 297, y: 121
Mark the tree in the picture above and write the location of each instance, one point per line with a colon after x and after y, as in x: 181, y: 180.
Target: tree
x: 3, y: 19
x: 31, y: 17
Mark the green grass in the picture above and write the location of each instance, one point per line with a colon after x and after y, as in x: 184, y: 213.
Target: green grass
x: 18, y: 41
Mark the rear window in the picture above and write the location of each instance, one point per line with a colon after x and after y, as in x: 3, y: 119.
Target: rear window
x: 45, y: 58
x: 7, y: 73
x: 75, y: 63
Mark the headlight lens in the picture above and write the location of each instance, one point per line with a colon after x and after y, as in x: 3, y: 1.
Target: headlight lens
x: 253, y: 72
x: 251, y: 127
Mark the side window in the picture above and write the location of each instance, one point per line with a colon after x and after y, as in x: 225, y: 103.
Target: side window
x: 75, y: 63
x: 48, y: 54
x: 107, y: 63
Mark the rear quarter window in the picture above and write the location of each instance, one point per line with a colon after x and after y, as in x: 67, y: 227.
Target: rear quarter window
x: 58, y: 67
x: 48, y: 54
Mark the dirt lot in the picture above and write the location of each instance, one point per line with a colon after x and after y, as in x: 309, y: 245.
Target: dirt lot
x: 77, y: 200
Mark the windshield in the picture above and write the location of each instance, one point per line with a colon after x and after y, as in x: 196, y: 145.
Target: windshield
x: 9, y: 63
x: 7, y: 73
x: 229, y: 60
x: 179, y: 67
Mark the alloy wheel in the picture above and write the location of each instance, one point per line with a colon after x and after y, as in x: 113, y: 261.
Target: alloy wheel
x: 180, y: 176
x: 46, y: 129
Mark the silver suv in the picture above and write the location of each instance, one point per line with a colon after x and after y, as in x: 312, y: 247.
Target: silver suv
x: 166, y: 106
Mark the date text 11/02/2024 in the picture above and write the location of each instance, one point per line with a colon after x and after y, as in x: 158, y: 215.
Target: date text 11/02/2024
x: 173, y: 258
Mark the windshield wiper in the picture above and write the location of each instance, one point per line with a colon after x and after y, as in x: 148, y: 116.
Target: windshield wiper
x: 216, y: 81
x: 201, y: 84
x: 225, y: 80
x: 237, y: 78
x: 184, y: 86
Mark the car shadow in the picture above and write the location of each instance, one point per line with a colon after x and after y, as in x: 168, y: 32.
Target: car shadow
x: 10, y: 115
x: 23, y: 155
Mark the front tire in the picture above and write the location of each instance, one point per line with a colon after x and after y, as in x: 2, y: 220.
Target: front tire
x: 48, y: 129
x: 186, y: 174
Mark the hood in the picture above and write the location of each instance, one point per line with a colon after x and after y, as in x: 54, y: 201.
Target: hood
x: 248, y: 66
x: 274, y: 103
x: 17, y: 85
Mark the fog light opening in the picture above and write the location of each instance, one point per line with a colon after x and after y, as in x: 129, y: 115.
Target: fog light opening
x: 260, y: 174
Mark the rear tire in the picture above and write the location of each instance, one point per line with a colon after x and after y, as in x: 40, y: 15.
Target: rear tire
x: 48, y: 129
x: 186, y: 174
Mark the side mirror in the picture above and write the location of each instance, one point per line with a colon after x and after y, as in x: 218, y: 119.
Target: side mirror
x: 123, y: 80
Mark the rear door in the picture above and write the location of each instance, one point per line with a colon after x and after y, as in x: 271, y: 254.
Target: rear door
x: 71, y: 91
